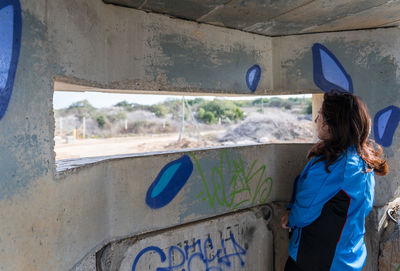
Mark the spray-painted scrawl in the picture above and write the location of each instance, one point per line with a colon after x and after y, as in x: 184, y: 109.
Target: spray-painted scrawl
x: 329, y: 74
x: 10, y: 41
x: 232, y: 183
x: 169, y: 182
x: 253, y: 77
x: 218, y: 256
x: 385, y: 124
x: 328, y: 71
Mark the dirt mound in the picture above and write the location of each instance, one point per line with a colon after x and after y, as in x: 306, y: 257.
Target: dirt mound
x: 188, y: 143
x: 272, y: 126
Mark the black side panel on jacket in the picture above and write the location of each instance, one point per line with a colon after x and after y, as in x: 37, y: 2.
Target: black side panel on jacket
x: 319, y: 239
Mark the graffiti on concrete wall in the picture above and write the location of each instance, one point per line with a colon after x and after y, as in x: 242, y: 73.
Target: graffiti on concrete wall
x: 10, y: 41
x: 329, y: 74
x: 385, y: 125
x: 172, y: 177
x: 328, y: 71
x: 231, y: 183
x: 219, y: 256
x: 253, y: 77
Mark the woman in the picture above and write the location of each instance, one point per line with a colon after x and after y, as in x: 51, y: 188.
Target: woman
x: 335, y: 191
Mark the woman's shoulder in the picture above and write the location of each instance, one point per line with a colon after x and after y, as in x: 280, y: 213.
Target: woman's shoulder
x: 316, y: 163
x: 353, y: 158
x: 355, y: 167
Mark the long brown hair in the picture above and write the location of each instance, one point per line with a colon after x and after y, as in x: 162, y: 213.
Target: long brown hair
x: 349, y: 124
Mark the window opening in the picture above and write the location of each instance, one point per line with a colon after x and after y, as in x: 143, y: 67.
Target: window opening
x: 91, y: 124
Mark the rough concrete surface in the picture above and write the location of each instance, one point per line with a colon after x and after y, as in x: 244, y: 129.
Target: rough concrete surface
x: 232, y: 242
x: 54, y: 220
x: 389, y: 254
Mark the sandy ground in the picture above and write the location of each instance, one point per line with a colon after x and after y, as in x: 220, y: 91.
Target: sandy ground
x: 128, y: 145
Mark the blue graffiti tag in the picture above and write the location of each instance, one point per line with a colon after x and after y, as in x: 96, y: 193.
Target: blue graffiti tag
x: 385, y: 125
x: 149, y: 249
x: 218, y: 259
x: 172, y: 177
x: 253, y: 77
x: 328, y: 71
x: 10, y: 42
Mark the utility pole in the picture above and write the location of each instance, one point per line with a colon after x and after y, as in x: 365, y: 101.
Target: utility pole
x: 84, y: 128
x: 183, y: 120
x: 61, y: 126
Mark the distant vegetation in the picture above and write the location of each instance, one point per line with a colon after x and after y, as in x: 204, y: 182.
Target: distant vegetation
x: 167, y: 115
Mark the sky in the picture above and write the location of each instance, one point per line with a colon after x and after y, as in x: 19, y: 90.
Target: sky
x: 63, y: 99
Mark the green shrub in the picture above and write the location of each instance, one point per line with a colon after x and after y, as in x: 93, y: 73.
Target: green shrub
x: 195, y: 101
x: 80, y: 109
x: 278, y: 102
x: 159, y: 110
x: 118, y: 116
x: 209, y: 117
x: 258, y: 101
x: 200, y: 113
x: 238, y: 113
x: 308, y: 109
x: 296, y: 100
x: 220, y: 109
x: 124, y: 104
x: 101, y: 121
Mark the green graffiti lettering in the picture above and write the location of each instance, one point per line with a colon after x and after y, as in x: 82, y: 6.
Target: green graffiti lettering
x: 237, y: 191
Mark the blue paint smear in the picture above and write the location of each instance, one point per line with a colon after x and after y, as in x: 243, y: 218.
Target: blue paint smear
x: 165, y: 179
x: 253, y: 77
x: 169, y: 181
x: 328, y: 71
x: 6, y: 42
x: 383, y: 121
x: 386, y: 122
x: 332, y: 72
x: 10, y: 42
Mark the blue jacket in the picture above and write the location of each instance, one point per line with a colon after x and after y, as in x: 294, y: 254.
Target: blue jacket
x: 327, y: 214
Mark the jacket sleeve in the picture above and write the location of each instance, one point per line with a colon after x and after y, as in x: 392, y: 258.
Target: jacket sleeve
x: 314, y: 189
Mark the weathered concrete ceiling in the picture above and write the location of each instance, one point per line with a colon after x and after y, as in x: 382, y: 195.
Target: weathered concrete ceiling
x: 278, y: 17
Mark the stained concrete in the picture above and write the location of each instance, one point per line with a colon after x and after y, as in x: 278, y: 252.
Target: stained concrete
x: 144, y: 51
x: 389, y: 247
x: 236, y: 242
x: 55, y: 220
x: 279, y: 18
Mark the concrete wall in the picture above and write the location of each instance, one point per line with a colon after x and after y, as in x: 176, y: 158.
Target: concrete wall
x: 52, y: 221
x: 99, y: 209
x: 231, y: 242
x: 135, y: 50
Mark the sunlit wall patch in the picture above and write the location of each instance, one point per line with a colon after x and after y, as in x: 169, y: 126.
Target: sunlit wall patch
x: 253, y: 77
x: 328, y: 71
x: 385, y: 124
x: 172, y: 177
x: 10, y: 42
